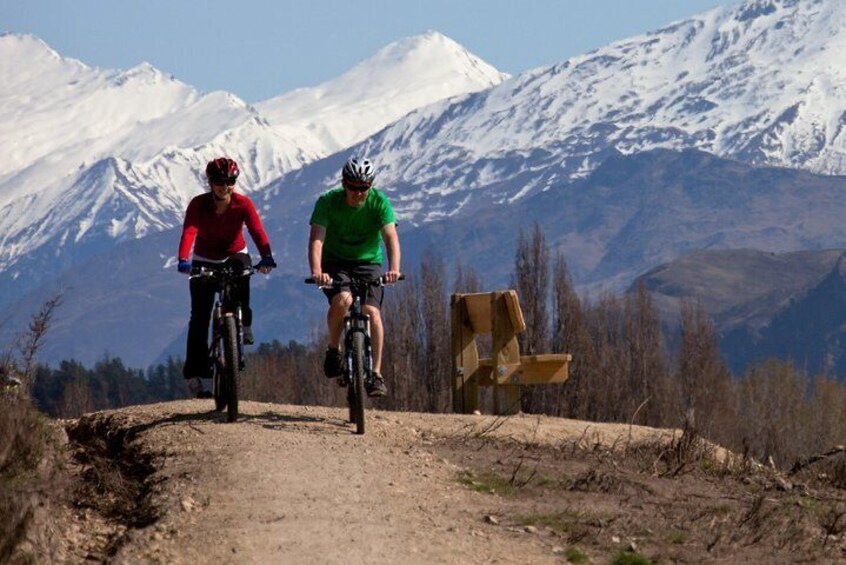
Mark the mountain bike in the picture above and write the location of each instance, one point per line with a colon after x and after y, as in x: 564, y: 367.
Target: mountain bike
x: 358, y: 358
x: 226, y: 351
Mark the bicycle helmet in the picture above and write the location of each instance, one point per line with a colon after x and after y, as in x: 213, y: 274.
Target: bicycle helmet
x: 222, y: 170
x: 359, y: 170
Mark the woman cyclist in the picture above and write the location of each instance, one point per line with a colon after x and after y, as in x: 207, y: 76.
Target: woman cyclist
x: 214, y: 224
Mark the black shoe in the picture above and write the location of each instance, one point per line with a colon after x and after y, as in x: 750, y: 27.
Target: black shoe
x: 333, y: 363
x: 247, y: 332
x: 197, y: 389
x: 376, y: 386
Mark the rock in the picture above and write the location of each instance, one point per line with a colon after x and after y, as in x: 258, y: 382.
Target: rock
x: 530, y: 530
x: 558, y: 550
x: 491, y: 519
x: 784, y: 484
x: 615, y: 539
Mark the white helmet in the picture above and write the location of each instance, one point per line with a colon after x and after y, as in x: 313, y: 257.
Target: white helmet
x: 359, y: 169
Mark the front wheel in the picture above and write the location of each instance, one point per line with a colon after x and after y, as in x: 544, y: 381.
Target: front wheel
x: 357, y: 385
x: 230, y: 368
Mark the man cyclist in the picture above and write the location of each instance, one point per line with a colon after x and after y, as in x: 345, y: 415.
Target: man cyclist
x: 214, y: 224
x: 348, y: 225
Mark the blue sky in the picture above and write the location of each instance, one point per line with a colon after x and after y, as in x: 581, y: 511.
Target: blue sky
x: 258, y: 49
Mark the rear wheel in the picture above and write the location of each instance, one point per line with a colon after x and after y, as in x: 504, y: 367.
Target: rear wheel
x: 230, y: 368
x: 357, y: 385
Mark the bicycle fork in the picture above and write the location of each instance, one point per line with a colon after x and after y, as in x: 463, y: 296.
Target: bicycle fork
x: 217, y: 323
x: 352, y: 326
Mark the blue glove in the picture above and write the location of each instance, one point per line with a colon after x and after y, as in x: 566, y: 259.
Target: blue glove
x: 267, y: 262
x: 184, y: 267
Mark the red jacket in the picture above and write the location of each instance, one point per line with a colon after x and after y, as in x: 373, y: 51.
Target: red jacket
x: 220, y: 235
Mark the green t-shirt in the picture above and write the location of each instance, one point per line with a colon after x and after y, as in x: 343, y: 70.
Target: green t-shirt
x: 353, y: 234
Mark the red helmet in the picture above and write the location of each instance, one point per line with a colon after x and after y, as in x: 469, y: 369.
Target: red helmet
x: 222, y: 170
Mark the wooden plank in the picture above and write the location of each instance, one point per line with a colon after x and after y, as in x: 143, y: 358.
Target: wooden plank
x: 465, y: 360
x: 547, y: 370
x: 478, y: 309
x: 532, y: 370
x: 515, y: 313
x: 505, y: 352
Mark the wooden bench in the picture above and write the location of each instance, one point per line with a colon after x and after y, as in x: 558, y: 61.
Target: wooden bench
x: 497, y: 313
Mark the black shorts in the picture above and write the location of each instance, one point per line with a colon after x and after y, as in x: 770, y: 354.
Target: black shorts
x: 349, y: 270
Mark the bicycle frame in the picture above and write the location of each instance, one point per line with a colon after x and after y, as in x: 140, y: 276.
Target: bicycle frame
x: 225, y: 306
x: 226, y: 351
x: 356, y: 321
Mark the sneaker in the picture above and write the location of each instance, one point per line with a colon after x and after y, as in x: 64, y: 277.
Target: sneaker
x: 376, y: 386
x: 333, y: 363
x: 195, y: 385
x: 247, y: 331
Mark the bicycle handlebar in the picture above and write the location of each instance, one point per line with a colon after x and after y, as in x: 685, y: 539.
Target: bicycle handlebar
x: 335, y: 283
x: 221, y: 272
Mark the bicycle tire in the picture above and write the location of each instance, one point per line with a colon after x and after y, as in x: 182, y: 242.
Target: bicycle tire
x: 351, y: 401
x: 230, y: 368
x: 219, y: 387
x: 358, y: 376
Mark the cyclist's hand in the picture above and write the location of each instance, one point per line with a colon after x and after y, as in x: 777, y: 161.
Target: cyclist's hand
x: 321, y: 279
x: 266, y: 264
x: 392, y: 277
x: 184, y: 267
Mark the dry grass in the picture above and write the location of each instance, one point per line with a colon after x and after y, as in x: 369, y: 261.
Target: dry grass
x: 25, y: 442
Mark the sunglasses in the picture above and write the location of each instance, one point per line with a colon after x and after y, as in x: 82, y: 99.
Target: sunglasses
x: 224, y: 182
x: 356, y: 186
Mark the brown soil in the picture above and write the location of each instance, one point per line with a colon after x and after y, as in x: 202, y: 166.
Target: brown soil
x: 174, y: 483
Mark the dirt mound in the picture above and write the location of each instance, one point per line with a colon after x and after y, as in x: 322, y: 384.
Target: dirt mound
x: 174, y: 483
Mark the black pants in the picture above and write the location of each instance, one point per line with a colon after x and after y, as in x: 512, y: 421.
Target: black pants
x: 202, y: 302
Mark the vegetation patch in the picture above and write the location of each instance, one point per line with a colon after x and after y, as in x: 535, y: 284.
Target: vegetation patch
x: 487, y: 482
x: 26, y: 441
x: 629, y: 558
x: 576, y: 556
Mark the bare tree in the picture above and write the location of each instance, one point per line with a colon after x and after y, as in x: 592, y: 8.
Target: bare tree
x: 30, y: 342
x: 647, y: 375
x: 403, y: 351
x: 531, y: 276
x: 703, y: 377
x: 466, y: 280
x: 569, y: 336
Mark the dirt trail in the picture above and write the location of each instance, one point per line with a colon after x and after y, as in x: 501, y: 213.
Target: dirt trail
x: 291, y: 484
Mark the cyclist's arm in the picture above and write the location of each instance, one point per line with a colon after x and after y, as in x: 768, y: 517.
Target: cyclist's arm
x: 189, y: 230
x: 256, y: 229
x: 315, y: 253
x: 392, y: 246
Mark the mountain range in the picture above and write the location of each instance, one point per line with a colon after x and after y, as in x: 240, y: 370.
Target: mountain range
x: 720, y: 131
x: 99, y: 155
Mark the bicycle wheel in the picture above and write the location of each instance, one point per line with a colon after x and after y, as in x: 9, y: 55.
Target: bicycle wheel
x: 230, y: 368
x: 357, y: 385
x: 218, y: 381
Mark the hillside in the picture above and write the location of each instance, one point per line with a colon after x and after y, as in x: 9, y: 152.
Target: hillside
x: 293, y: 484
x: 788, y: 306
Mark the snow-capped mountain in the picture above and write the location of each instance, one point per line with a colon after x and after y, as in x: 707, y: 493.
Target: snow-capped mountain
x: 406, y: 75
x: 97, y: 155
x: 760, y: 82
x: 757, y: 83
x: 110, y: 154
